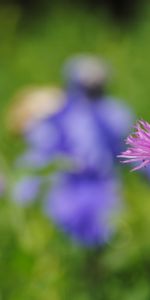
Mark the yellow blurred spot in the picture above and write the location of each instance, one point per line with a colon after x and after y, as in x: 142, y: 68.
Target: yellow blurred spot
x: 32, y: 104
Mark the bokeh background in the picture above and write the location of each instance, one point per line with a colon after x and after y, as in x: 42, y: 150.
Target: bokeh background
x: 37, y: 260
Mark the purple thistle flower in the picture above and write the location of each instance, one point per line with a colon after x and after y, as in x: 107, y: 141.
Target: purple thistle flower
x: 139, y: 146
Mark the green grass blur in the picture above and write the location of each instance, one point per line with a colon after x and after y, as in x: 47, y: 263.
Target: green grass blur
x: 36, y: 261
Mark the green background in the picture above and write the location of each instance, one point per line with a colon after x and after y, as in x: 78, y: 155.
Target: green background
x: 36, y: 260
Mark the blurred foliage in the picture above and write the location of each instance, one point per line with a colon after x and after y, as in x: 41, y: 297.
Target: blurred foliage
x: 37, y: 261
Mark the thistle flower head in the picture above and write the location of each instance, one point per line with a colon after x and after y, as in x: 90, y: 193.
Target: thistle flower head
x: 138, y: 151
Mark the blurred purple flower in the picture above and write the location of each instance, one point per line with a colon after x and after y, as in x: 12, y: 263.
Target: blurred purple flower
x: 88, y: 132
x: 115, y: 120
x: 85, y: 206
x: 26, y: 189
x: 33, y: 158
x: 73, y: 134
x: 87, y: 76
x: 139, y: 146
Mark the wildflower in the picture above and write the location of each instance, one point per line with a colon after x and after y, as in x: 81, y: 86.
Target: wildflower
x: 87, y: 76
x: 71, y: 133
x: 115, y: 120
x: 26, y: 189
x: 84, y: 206
x: 139, y: 146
